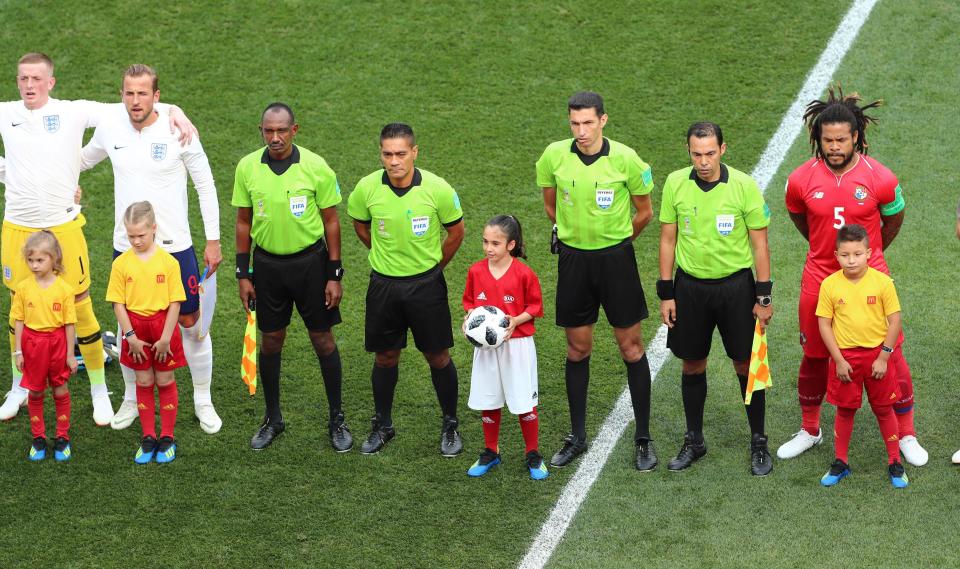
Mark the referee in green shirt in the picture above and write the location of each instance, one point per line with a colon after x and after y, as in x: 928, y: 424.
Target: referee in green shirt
x: 286, y: 199
x: 714, y: 229
x: 589, y: 185
x: 401, y: 213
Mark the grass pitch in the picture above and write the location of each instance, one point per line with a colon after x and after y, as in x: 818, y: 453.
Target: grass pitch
x: 484, y: 87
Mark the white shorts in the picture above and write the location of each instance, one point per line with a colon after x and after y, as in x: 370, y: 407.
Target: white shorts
x: 507, y: 374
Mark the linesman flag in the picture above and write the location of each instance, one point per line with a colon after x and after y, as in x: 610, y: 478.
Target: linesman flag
x: 248, y: 361
x: 759, y: 376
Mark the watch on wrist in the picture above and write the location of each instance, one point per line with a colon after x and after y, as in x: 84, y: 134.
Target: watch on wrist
x: 335, y: 270
x: 765, y: 300
x: 884, y: 348
x: 129, y: 334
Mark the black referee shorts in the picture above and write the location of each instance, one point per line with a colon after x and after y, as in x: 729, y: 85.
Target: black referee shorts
x: 587, y: 280
x: 417, y: 303
x: 705, y: 304
x: 281, y: 281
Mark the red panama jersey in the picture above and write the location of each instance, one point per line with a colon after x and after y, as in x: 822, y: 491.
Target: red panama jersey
x: 516, y: 292
x: 830, y: 202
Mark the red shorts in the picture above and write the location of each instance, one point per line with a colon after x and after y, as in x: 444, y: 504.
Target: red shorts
x: 880, y: 392
x: 149, y: 329
x: 44, y: 359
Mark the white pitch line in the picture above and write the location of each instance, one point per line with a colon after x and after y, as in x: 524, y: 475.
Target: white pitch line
x: 592, y: 463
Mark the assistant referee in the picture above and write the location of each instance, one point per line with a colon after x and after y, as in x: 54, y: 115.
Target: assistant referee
x: 286, y: 199
x: 589, y: 184
x: 710, y: 217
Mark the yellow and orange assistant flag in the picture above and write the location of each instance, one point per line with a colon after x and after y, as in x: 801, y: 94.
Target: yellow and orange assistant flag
x: 759, y: 376
x: 248, y: 361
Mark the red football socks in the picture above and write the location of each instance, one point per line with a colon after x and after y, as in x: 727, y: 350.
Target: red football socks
x: 842, y: 431
x: 35, y: 408
x: 530, y: 427
x: 491, y: 429
x: 905, y: 424
x: 810, y: 419
x: 887, y: 421
x: 62, y: 406
x: 147, y: 407
x: 168, y: 408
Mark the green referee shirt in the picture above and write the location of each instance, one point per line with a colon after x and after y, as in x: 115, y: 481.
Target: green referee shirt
x: 593, y: 192
x: 286, y: 207
x: 713, y: 219
x: 405, y: 234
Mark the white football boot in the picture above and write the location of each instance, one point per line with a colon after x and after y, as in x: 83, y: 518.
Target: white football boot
x: 913, y: 452
x: 799, y: 444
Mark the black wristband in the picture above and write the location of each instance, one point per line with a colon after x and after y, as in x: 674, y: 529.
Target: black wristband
x: 334, y: 269
x: 243, y: 266
x: 764, y: 288
x: 665, y: 289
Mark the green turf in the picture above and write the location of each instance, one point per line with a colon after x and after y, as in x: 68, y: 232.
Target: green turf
x: 484, y: 85
x: 717, y: 515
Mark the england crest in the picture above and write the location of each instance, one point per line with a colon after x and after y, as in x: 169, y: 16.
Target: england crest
x: 51, y: 123
x: 158, y: 151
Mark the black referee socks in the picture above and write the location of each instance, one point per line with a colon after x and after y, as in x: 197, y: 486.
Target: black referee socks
x: 693, y: 389
x: 332, y: 371
x: 577, y: 376
x: 270, y: 377
x: 445, y: 382
x: 756, y: 410
x: 384, y: 380
x: 638, y: 379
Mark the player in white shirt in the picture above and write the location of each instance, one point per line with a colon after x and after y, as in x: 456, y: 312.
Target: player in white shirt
x: 148, y: 164
x: 42, y: 137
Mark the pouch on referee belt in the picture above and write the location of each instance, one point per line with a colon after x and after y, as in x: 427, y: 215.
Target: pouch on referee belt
x: 207, y: 290
x: 554, y: 241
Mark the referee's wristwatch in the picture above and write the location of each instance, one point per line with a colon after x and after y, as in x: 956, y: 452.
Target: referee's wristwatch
x: 335, y: 269
x: 765, y: 300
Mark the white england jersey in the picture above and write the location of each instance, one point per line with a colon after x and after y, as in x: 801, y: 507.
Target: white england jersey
x: 151, y: 165
x: 42, y: 164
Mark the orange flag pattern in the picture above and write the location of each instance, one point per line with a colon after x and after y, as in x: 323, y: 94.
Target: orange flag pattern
x: 759, y: 376
x: 248, y: 362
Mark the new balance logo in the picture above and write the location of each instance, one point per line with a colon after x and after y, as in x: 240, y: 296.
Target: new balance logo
x: 481, y: 296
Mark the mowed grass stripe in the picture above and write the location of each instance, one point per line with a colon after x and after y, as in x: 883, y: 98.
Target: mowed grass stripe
x: 717, y: 515
x: 485, y: 89
x: 576, y: 491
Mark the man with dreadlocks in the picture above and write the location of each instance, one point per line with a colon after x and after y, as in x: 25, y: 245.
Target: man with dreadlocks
x: 840, y: 185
